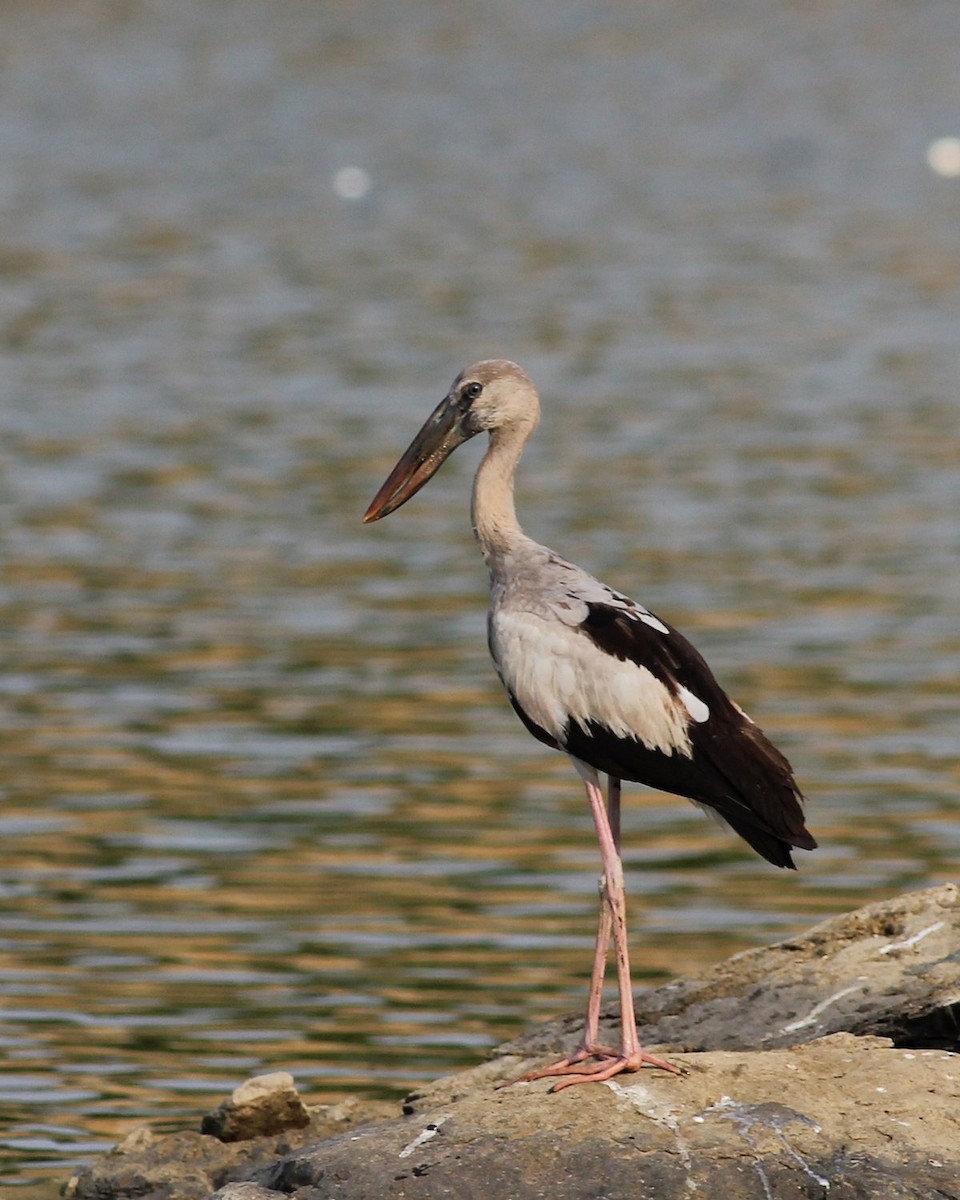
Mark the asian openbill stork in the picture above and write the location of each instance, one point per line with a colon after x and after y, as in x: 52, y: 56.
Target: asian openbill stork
x: 597, y: 675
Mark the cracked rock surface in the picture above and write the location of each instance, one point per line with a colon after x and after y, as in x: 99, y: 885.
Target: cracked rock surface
x: 825, y: 1065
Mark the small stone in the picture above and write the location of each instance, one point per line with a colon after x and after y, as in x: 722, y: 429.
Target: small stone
x: 136, y: 1140
x: 260, y: 1107
x: 243, y: 1191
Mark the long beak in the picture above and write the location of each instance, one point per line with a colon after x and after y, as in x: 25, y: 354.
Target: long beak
x: 441, y: 434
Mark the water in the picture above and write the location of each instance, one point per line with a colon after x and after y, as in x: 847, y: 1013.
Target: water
x: 264, y: 806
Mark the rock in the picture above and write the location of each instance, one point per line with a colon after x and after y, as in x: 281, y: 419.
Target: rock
x: 824, y: 1065
x: 190, y: 1165
x: 245, y: 1191
x: 780, y: 1123
x: 263, y: 1105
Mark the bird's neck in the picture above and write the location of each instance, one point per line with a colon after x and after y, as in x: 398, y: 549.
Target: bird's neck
x: 493, y: 511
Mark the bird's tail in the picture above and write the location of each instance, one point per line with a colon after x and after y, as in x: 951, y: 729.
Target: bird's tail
x: 773, y: 848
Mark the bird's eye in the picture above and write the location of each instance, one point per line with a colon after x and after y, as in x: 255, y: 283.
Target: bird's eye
x: 472, y: 390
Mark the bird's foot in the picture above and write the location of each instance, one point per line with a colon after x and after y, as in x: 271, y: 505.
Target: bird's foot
x: 581, y: 1055
x: 601, y: 1067
x: 564, y: 1065
x: 594, y: 1064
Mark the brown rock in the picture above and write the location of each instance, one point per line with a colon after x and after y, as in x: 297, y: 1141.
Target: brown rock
x: 802, y: 1122
x: 262, y: 1106
x: 190, y: 1165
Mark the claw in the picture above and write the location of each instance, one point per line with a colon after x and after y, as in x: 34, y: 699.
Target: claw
x: 594, y: 1065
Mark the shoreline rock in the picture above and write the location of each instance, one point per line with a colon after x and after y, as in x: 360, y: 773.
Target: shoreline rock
x: 824, y: 1065
x: 262, y: 1106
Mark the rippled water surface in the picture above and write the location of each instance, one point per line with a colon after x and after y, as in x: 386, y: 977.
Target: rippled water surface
x: 264, y: 805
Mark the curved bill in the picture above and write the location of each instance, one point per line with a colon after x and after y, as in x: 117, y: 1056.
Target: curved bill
x: 441, y: 434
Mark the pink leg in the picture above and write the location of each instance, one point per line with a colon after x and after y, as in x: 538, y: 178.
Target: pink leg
x: 593, y: 1062
x: 591, y: 1031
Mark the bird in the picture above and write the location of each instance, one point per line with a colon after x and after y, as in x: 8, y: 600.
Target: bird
x: 600, y: 677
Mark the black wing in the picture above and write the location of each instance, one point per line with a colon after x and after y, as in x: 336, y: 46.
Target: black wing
x: 733, y: 768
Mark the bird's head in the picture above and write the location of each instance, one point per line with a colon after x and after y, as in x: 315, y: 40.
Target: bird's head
x: 491, y: 395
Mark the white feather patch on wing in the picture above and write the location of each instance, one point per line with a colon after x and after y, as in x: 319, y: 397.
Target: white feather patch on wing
x: 557, y: 674
x: 694, y: 705
x: 647, y: 618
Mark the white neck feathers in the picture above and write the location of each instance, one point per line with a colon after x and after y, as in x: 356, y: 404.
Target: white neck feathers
x: 493, y: 511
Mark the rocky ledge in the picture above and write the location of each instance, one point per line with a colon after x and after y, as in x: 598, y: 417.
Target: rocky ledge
x: 825, y: 1065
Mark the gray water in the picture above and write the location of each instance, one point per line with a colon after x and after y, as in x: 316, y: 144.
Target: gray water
x: 264, y: 806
